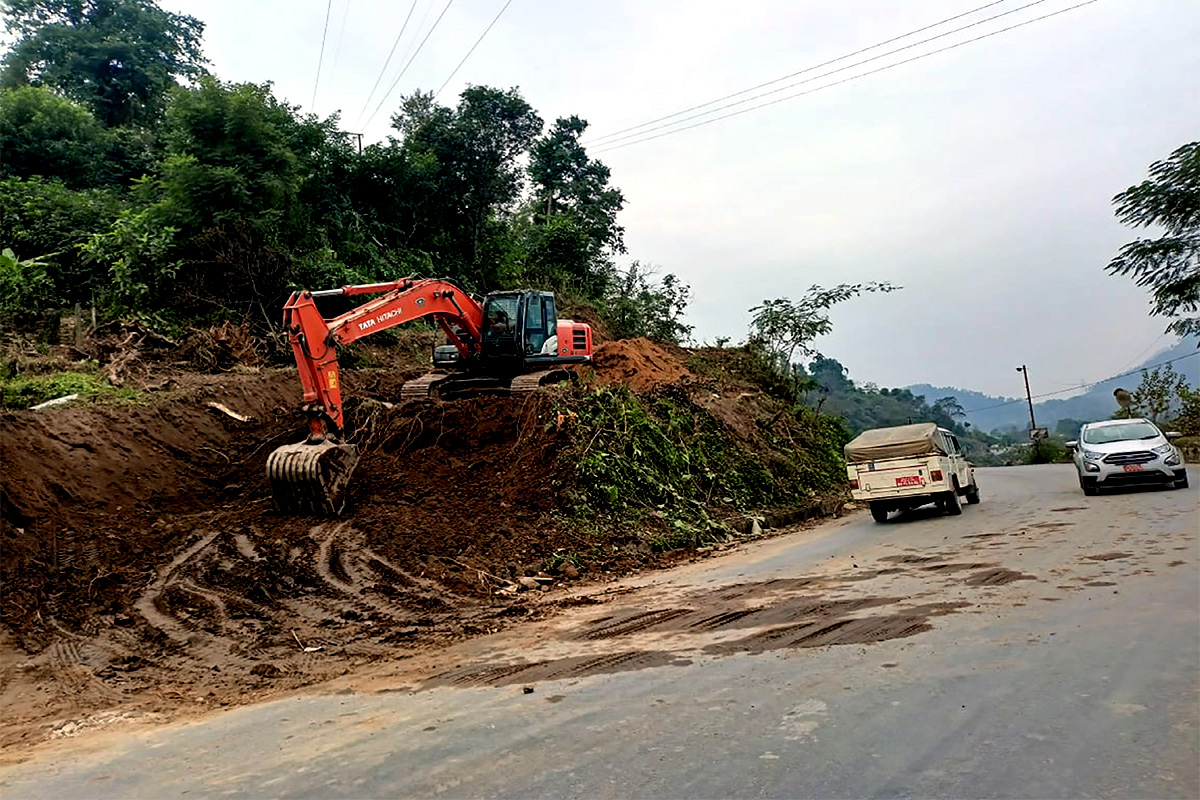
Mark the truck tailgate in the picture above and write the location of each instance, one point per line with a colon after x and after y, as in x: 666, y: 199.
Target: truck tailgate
x: 909, y: 476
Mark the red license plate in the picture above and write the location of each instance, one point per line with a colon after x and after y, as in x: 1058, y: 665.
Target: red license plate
x: 908, y: 480
x: 1133, y: 467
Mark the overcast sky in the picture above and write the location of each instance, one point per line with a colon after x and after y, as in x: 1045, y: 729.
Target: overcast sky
x: 980, y: 179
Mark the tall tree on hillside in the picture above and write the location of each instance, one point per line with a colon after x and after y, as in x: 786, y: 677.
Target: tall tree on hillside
x: 470, y: 157
x: 118, y: 58
x: 1170, y: 264
x: 573, y: 214
x: 567, y: 181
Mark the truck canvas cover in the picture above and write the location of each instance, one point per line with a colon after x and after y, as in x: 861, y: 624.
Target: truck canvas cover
x: 905, y: 440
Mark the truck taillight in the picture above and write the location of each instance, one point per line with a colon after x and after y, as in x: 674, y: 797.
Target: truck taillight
x: 854, y: 484
x: 935, y: 475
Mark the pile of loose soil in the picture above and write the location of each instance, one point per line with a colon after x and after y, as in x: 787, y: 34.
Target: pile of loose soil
x: 640, y: 364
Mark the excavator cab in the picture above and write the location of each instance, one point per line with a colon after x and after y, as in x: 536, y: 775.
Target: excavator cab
x: 520, y: 329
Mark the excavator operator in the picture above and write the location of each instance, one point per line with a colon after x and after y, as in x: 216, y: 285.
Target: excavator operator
x: 499, y: 322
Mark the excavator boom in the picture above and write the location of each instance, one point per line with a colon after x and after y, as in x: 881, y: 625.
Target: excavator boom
x: 312, y: 476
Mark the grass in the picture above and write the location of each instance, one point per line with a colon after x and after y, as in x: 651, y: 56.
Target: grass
x: 24, y: 391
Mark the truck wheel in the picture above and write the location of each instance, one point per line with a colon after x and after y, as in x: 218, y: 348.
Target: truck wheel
x: 951, y: 504
x: 879, y: 512
x: 972, y: 494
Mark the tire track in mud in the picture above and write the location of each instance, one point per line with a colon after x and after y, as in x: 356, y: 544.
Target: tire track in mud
x: 345, y: 564
x: 751, y: 617
x: 151, y: 603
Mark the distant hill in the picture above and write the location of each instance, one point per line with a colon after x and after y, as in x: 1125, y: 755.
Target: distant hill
x: 1096, y: 403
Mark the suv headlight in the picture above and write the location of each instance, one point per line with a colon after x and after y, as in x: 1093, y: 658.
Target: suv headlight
x: 1162, y: 450
x: 1172, y: 460
x: 1092, y: 455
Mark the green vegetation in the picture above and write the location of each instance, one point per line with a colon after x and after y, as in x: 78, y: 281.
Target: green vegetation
x: 29, y: 390
x: 134, y: 180
x: 1170, y: 264
x: 666, y: 457
x: 1165, y: 397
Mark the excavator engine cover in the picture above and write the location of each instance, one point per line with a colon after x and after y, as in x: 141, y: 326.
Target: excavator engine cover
x: 311, y: 477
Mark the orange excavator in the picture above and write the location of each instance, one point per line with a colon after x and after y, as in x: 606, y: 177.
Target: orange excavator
x: 506, y: 342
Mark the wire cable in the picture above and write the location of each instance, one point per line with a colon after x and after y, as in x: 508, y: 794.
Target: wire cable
x: 321, y: 56
x: 837, y: 83
x: 615, y: 134
x: 337, y: 50
x: 411, y: 60
x: 823, y: 75
x: 472, y: 50
x: 391, y: 53
x: 1082, y: 385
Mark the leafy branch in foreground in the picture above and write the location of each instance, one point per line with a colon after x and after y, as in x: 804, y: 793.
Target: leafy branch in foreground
x: 1170, y: 264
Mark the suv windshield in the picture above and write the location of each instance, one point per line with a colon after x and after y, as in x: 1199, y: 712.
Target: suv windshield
x: 1120, y: 433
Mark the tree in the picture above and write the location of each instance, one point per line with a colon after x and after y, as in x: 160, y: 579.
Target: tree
x: 785, y: 327
x: 567, y: 181
x: 49, y: 222
x: 636, y: 306
x: 949, y: 407
x: 1158, y: 394
x: 469, y: 160
x: 1170, y: 264
x: 118, y: 58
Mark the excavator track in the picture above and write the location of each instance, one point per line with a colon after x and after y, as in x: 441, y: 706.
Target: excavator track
x: 422, y: 388
x: 531, y: 382
x: 311, y: 477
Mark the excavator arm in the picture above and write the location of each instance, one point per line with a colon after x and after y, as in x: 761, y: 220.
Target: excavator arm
x: 314, y: 339
x: 313, y: 475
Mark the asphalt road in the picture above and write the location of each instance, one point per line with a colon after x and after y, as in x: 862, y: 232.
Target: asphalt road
x: 1041, y: 645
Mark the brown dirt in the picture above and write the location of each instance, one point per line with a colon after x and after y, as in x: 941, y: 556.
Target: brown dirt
x: 1110, y: 556
x: 777, y: 614
x: 640, y: 364
x: 145, y: 567
x: 996, y: 577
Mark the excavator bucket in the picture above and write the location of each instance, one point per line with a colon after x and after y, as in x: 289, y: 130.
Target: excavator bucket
x: 311, y: 477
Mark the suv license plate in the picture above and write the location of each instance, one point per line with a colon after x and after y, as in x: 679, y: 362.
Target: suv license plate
x: 910, y: 480
x: 1133, y: 467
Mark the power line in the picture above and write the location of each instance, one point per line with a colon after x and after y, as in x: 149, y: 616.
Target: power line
x: 391, y: 53
x: 1084, y: 385
x: 321, y: 56
x: 411, y: 60
x: 615, y: 134
x: 337, y: 50
x: 823, y: 75
x: 472, y: 50
x: 885, y: 68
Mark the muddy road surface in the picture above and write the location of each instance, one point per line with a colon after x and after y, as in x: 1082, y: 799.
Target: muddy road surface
x: 1043, y: 644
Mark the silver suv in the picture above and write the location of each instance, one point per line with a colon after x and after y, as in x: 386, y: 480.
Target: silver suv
x: 1120, y: 452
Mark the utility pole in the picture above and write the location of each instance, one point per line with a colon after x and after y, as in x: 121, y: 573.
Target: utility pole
x: 1029, y: 397
x: 1037, y: 450
x: 359, y: 136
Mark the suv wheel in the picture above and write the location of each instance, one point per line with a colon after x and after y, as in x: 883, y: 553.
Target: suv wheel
x: 972, y: 494
x: 1089, y: 488
x: 951, y: 504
